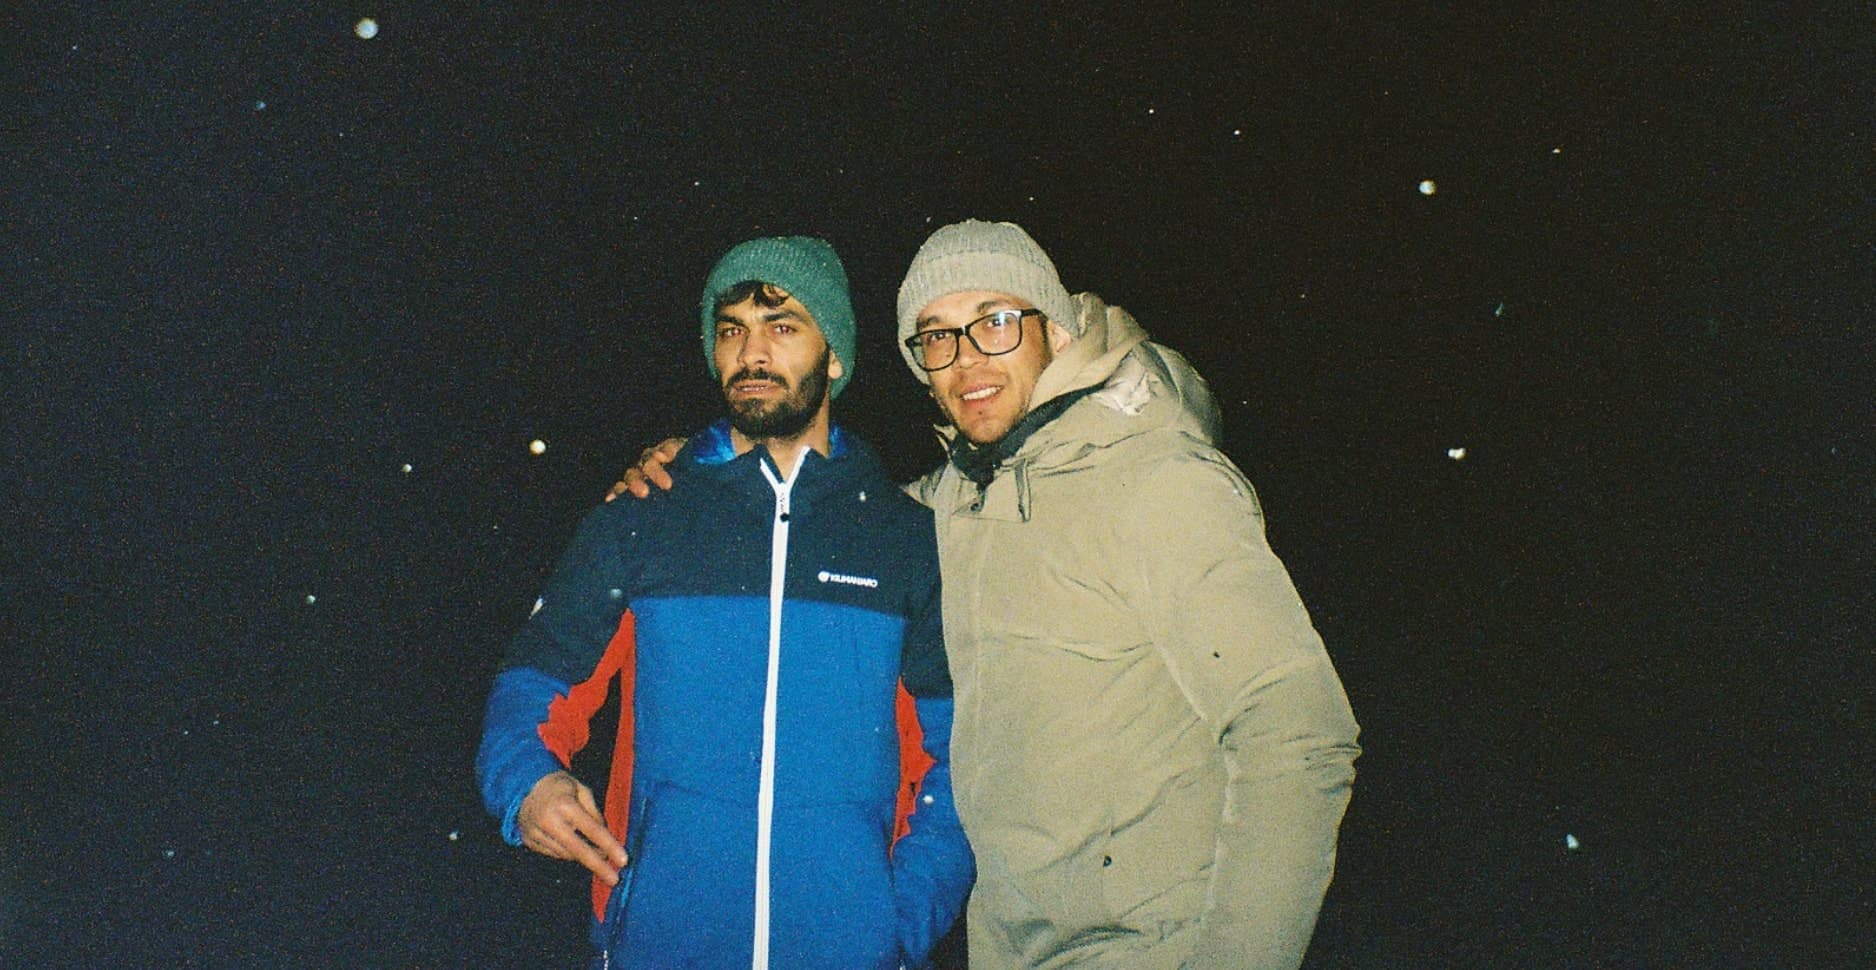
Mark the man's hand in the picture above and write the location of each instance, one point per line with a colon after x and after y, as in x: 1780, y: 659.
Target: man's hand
x: 649, y: 471
x: 560, y: 819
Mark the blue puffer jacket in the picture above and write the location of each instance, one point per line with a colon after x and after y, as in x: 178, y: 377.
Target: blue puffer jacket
x: 774, y: 620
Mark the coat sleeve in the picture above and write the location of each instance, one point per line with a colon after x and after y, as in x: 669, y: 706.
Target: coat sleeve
x: 932, y: 866
x: 512, y: 757
x: 531, y: 727
x: 1223, y: 613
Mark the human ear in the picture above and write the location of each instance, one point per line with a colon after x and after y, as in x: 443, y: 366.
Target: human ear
x: 1059, y: 337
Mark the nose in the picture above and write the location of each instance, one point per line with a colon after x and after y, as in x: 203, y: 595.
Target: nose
x: 968, y: 355
x: 755, y: 348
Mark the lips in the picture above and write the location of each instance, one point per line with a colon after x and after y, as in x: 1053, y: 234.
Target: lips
x: 759, y: 382
x: 980, y: 393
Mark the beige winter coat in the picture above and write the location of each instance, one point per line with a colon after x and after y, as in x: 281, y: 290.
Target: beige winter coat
x: 1152, y: 752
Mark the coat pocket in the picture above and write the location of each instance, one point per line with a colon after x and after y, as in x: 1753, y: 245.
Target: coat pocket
x: 1155, y: 871
x: 618, y: 903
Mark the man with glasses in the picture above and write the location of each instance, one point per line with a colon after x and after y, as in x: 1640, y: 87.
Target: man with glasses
x: 1152, y: 751
x: 773, y: 624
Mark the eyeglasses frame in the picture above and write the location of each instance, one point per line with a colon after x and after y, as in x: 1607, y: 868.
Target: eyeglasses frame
x: 912, y: 342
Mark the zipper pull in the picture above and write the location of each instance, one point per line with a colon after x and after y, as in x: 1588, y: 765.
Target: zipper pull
x: 782, y: 487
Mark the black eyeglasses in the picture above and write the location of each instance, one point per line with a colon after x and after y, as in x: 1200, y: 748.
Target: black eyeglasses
x: 996, y: 333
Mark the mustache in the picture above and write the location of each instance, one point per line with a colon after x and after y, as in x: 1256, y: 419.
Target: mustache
x: 757, y: 374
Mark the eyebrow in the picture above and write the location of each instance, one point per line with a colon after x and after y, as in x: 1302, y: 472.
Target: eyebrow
x: 769, y: 316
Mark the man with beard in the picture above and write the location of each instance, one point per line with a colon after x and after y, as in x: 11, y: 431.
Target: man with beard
x: 773, y: 622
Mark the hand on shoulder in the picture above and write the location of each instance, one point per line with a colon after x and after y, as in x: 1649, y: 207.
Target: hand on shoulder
x: 648, y: 471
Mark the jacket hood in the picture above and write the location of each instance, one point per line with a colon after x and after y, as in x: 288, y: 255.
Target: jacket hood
x: 1108, y: 334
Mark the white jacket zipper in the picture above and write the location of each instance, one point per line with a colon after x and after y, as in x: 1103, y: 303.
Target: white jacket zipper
x: 765, y: 792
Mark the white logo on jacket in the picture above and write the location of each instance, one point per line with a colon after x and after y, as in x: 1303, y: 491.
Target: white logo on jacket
x: 866, y: 581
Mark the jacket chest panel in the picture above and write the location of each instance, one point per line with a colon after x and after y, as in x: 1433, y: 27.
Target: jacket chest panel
x: 728, y: 548
x: 1056, y: 579
x: 838, y: 556
x: 703, y: 586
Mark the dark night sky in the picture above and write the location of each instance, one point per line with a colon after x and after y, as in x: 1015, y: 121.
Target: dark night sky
x: 254, y: 265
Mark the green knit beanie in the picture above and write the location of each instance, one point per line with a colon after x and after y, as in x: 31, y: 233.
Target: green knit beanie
x: 978, y: 255
x: 809, y: 269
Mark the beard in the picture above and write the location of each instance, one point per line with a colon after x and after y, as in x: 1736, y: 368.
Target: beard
x: 781, y: 419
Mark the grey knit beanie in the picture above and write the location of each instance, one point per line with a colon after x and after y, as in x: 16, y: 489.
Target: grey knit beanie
x: 978, y: 255
x: 810, y: 270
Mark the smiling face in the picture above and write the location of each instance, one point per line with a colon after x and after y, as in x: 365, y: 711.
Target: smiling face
x: 775, y: 367
x: 984, y: 396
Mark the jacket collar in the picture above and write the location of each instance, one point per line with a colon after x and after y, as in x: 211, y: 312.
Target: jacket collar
x: 714, y: 446
x: 712, y: 453
x: 979, y: 464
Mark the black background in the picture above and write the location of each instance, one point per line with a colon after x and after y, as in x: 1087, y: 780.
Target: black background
x: 253, y: 265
